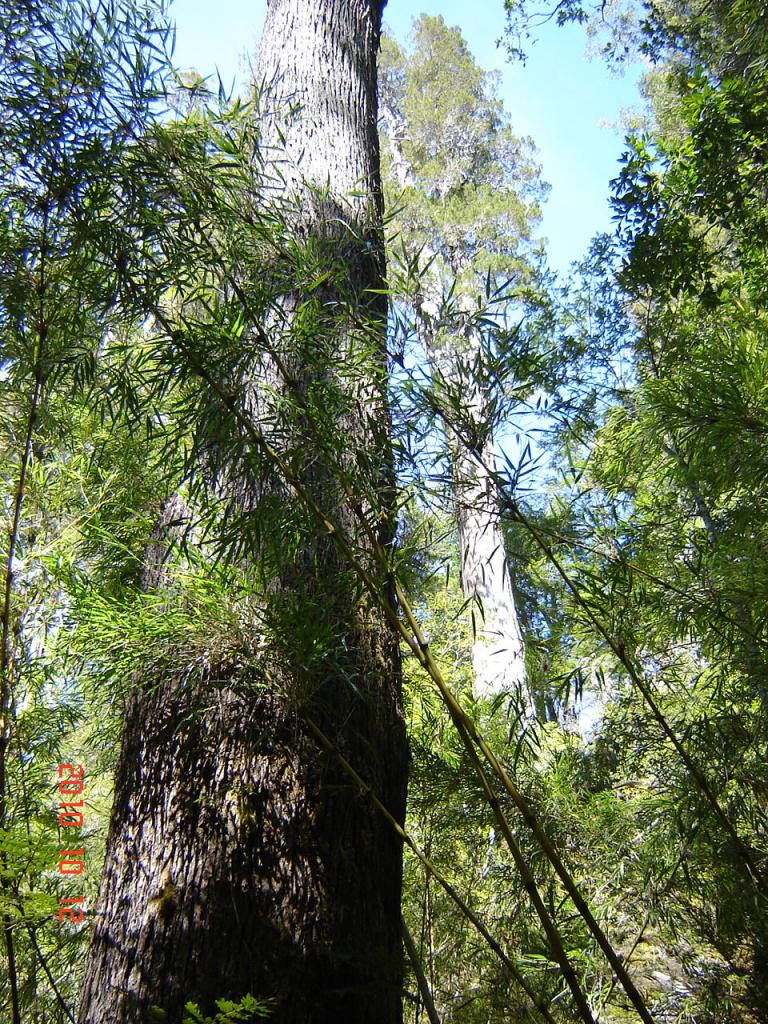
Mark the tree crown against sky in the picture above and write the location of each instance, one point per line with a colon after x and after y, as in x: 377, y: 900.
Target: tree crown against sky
x: 148, y: 272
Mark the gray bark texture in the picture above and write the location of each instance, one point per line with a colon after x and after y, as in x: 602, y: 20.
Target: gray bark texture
x: 498, y: 649
x: 240, y: 858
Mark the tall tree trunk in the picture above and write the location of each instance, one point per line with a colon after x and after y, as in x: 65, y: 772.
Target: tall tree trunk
x: 498, y: 652
x: 240, y: 858
x: 498, y: 649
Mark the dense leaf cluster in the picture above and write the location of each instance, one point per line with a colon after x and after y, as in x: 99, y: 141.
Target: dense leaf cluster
x: 148, y: 352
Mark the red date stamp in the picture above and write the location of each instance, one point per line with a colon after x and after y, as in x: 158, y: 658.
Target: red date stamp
x: 71, y: 786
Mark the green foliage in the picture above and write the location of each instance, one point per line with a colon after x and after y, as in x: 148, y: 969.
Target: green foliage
x: 246, y: 1011
x: 656, y: 519
x: 693, y: 206
x: 664, y: 536
x: 78, y: 82
x: 142, y: 259
x: 463, y: 184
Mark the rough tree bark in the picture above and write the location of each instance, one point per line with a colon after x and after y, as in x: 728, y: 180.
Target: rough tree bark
x: 240, y: 858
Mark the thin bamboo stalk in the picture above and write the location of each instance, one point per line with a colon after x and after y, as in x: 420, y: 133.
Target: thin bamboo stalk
x: 421, y: 978
x: 432, y: 869
x: 517, y: 515
x: 414, y: 638
x: 421, y: 650
x: 6, y: 686
x: 618, y: 649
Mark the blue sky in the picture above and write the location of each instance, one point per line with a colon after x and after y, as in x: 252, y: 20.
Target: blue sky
x: 559, y: 98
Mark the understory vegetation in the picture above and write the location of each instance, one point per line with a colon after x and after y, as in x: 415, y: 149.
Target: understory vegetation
x: 591, y: 844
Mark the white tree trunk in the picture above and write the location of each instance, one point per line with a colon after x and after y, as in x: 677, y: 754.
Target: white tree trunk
x: 498, y: 651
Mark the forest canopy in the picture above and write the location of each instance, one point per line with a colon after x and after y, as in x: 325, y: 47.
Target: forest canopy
x: 320, y: 485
